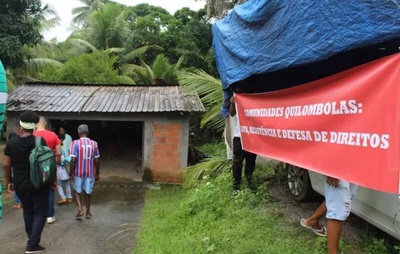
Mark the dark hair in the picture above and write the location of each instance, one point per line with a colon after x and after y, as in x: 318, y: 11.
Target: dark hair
x: 29, y: 117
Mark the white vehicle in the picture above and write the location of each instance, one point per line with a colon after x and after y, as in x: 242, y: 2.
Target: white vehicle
x: 375, y: 207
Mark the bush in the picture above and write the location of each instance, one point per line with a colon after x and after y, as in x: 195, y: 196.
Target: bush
x: 94, y: 68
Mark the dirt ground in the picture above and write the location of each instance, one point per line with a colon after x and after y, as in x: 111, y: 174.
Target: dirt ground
x: 117, y: 212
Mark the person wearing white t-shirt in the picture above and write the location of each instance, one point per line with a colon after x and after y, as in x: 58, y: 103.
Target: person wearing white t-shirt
x: 240, y: 155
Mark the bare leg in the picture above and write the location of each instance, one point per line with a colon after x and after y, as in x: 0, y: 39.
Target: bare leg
x: 334, y: 228
x: 88, y: 214
x: 313, y: 221
x: 78, y: 203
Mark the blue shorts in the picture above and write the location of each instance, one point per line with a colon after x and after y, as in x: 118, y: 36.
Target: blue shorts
x: 83, y: 183
x: 338, y: 200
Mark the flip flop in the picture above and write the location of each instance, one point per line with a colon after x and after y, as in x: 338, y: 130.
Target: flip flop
x: 318, y: 231
x: 88, y: 216
x: 79, y: 215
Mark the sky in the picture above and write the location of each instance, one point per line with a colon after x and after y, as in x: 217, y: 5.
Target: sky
x: 64, y: 7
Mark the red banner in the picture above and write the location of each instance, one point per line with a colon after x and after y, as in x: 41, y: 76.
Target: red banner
x: 346, y: 125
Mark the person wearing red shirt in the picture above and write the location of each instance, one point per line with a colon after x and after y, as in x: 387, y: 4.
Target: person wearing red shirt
x: 55, y: 144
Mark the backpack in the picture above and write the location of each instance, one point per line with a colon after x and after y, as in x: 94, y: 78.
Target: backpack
x: 42, y: 165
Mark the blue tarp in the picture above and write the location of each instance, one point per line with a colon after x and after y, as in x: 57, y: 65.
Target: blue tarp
x: 262, y: 36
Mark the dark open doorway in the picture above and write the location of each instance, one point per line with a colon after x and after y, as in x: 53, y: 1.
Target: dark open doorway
x: 127, y: 139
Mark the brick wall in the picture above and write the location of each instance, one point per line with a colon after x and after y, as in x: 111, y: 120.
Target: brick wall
x: 166, y: 146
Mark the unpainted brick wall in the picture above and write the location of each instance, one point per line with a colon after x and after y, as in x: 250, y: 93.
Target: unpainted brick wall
x: 165, y: 161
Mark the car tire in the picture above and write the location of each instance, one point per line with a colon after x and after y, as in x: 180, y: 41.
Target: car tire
x: 299, y: 184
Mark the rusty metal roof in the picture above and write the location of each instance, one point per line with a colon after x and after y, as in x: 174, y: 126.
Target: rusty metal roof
x: 103, y: 98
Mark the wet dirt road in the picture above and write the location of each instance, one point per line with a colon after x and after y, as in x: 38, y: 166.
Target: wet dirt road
x: 117, y: 212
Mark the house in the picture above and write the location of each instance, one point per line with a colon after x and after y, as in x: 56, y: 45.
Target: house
x: 150, y: 124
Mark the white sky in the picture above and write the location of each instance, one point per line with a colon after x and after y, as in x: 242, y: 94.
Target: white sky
x: 64, y: 7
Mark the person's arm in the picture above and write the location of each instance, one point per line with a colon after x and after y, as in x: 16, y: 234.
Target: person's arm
x: 73, y: 153
x: 72, y: 167
x: 96, y: 162
x: 7, y: 172
x: 58, y: 154
x: 97, y: 168
x: 232, y: 108
x: 57, y: 151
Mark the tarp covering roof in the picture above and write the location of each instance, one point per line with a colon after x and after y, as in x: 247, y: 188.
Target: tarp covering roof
x: 265, y: 36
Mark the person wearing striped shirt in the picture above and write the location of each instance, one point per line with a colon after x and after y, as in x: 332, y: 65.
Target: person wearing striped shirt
x: 84, y: 168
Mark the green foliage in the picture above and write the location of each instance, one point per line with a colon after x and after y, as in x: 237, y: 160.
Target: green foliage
x: 189, y: 34
x: 107, y: 27
x: 82, y: 12
x: 210, y: 220
x: 95, y: 68
x: 374, y: 245
x: 20, y: 25
x: 161, y: 72
x: 321, y: 246
x: 216, y: 149
x: 208, y: 168
x: 210, y: 92
x: 36, y: 58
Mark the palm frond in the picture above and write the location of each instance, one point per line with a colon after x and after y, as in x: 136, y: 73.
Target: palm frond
x: 212, y: 119
x: 79, y: 46
x: 210, y: 93
x: 209, y: 167
x: 160, y: 66
x: 80, y: 10
x: 142, y: 74
x: 127, y: 80
x: 35, y: 64
x: 115, y: 50
x: 120, y: 29
x: 208, y: 87
x: 137, y: 53
x: 11, y: 81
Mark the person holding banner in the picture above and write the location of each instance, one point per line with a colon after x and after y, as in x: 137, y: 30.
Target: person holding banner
x: 240, y: 155
x: 337, y: 205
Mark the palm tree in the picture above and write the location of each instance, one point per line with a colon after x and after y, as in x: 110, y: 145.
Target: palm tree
x: 107, y: 27
x: 210, y: 92
x: 82, y: 12
x: 161, y: 72
x: 36, y: 58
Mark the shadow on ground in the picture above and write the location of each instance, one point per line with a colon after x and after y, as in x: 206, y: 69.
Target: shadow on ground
x: 116, y: 220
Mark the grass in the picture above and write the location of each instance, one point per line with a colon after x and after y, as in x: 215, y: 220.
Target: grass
x: 216, y: 149
x: 210, y: 220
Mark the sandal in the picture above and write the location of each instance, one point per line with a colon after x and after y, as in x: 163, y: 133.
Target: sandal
x: 318, y: 231
x: 79, y: 215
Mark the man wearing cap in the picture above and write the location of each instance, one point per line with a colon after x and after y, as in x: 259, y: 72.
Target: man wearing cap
x: 84, y: 168
x: 35, y: 202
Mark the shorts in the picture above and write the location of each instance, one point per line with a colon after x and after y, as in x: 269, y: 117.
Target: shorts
x: 83, y: 183
x: 338, y: 200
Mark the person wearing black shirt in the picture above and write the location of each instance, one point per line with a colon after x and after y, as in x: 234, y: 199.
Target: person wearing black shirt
x: 35, y: 202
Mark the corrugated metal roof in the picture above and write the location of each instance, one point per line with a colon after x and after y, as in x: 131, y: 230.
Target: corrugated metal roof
x: 103, y: 98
